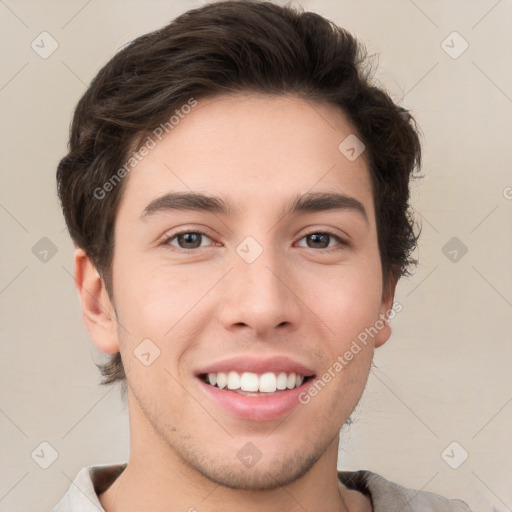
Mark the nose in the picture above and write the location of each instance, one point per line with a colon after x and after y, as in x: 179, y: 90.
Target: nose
x: 261, y: 296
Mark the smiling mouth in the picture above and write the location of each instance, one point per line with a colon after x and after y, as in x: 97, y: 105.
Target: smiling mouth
x: 251, y: 384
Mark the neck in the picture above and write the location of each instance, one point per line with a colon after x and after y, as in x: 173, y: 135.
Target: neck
x: 158, y: 478
x: 176, y: 489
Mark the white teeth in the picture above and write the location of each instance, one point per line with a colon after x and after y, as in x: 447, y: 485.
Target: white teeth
x: 282, y: 379
x: 291, y: 381
x: 267, y: 383
x: 248, y: 381
x: 222, y: 380
x: 233, y: 380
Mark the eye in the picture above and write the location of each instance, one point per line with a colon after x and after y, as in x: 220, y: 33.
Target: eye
x: 190, y: 240
x: 322, y: 239
x: 186, y: 239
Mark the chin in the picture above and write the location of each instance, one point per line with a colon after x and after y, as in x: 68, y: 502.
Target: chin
x: 261, y: 475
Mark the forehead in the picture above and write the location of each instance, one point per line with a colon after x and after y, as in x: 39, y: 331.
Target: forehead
x: 252, y: 150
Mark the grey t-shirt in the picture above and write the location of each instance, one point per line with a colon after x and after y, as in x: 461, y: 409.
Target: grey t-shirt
x: 386, y: 496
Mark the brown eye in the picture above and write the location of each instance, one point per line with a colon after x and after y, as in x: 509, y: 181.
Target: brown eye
x: 322, y: 240
x: 187, y: 239
x: 318, y: 240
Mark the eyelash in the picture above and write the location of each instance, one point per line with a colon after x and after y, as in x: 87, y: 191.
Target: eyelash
x: 343, y: 243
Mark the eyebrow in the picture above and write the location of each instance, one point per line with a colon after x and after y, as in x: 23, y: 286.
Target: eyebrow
x: 306, y: 203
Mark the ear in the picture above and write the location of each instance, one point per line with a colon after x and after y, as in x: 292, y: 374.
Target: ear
x: 386, y: 306
x: 98, y: 312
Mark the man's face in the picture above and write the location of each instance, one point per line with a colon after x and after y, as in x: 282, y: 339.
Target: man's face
x: 255, y: 284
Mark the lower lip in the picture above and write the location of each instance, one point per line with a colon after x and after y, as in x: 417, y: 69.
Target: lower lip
x: 256, y: 408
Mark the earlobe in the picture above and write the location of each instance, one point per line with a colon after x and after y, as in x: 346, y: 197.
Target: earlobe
x: 386, y: 306
x: 98, y: 312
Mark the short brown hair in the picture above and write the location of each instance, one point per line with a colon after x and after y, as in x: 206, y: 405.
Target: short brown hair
x: 228, y: 47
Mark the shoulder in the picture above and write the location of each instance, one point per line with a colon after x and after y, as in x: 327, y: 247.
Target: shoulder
x: 82, y: 495
x: 386, y: 496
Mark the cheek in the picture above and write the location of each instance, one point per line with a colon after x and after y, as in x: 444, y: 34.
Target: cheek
x: 149, y: 292
x: 345, y: 299
x: 159, y: 302
x: 155, y: 306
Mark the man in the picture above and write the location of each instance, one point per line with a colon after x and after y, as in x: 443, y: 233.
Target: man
x: 238, y: 194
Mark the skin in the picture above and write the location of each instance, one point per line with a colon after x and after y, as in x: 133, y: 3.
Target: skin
x: 305, y: 300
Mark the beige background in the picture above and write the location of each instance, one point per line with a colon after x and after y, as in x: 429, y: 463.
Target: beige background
x: 446, y: 373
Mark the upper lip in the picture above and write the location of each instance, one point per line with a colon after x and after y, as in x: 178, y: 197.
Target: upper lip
x: 258, y: 365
